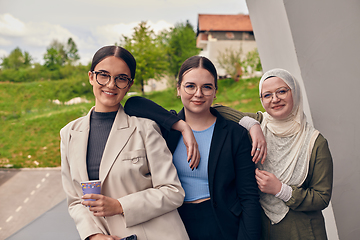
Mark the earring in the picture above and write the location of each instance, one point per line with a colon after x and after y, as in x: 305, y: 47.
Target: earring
x: 215, y: 98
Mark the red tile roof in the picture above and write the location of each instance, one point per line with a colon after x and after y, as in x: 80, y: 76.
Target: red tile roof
x: 214, y: 22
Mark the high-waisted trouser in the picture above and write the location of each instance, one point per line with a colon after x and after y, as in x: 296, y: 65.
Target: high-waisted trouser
x: 200, y: 221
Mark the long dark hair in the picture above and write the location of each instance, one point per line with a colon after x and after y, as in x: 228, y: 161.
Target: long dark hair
x: 197, y: 62
x: 115, y: 51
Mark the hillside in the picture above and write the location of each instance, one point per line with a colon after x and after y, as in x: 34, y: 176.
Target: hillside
x: 31, y: 121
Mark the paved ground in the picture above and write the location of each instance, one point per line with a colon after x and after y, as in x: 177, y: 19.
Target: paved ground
x: 25, y: 195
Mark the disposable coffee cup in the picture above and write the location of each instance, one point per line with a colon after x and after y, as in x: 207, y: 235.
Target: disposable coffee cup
x: 91, y: 187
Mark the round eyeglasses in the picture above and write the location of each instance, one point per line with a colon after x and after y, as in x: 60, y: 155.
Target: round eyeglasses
x: 191, y: 88
x: 121, y: 81
x: 280, y: 93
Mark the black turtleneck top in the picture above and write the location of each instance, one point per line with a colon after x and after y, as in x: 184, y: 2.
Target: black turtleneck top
x: 100, y: 127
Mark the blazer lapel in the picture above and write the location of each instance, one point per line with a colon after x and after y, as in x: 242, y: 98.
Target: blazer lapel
x: 78, y: 146
x: 217, y: 142
x: 119, y: 135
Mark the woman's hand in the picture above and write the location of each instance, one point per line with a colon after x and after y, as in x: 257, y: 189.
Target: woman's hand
x: 193, y: 154
x: 103, y: 206
x: 267, y: 182
x: 100, y: 236
x: 259, y: 146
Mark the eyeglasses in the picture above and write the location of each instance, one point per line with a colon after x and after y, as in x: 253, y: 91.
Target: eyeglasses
x: 191, y: 88
x: 280, y: 93
x: 121, y: 81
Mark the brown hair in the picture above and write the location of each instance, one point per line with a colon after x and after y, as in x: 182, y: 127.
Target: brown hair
x: 115, y: 51
x: 197, y: 62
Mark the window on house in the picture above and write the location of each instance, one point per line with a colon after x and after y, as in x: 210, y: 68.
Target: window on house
x: 230, y: 35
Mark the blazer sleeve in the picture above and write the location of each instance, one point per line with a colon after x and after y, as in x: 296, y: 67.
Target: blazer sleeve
x: 234, y: 115
x: 85, y: 222
x: 166, y: 193
x: 250, y: 223
x: 145, y: 108
x: 315, y: 193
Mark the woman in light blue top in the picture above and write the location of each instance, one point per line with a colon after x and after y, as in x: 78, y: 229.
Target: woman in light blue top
x: 221, y: 195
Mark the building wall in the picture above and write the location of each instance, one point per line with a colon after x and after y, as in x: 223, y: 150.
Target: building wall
x: 318, y: 41
x: 156, y: 84
x: 215, y: 46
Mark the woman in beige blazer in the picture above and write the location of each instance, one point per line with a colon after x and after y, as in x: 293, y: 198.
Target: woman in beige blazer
x: 140, y: 189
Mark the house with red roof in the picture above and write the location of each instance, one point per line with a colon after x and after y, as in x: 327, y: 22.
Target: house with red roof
x: 216, y: 32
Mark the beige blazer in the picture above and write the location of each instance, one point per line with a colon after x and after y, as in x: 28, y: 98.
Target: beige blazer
x: 136, y: 168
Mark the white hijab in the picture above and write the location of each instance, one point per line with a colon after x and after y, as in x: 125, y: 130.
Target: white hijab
x: 290, y: 142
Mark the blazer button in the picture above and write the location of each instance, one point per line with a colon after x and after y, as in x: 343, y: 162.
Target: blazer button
x: 214, y: 204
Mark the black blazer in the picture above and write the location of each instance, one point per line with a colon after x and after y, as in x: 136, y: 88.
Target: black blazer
x: 231, y: 173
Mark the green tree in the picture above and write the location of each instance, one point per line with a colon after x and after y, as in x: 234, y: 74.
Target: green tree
x: 61, y: 50
x: 149, y: 53
x: 16, y: 59
x: 181, y: 44
x: 252, y: 62
x: 72, y: 52
x: 231, y: 61
x: 27, y: 59
x: 57, y: 54
x: 236, y: 64
x: 53, y: 59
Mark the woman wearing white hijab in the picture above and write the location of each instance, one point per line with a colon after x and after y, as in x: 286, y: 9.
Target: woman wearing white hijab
x: 296, y: 177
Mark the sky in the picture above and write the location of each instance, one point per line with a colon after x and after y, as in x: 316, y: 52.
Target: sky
x: 32, y: 24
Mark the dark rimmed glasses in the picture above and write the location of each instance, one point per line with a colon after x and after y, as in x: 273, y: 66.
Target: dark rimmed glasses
x: 121, y: 81
x: 280, y: 93
x: 191, y: 88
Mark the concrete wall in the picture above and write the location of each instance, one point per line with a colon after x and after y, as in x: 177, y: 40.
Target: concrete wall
x: 156, y: 85
x: 318, y: 41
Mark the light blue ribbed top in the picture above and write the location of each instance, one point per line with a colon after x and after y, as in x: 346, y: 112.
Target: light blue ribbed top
x: 195, y: 183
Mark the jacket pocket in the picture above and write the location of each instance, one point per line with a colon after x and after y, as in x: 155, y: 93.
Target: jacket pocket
x: 133, y: 156
x: 236, y: 208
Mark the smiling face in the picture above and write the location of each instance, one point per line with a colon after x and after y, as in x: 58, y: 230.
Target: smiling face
x: 108, y: 97
x: 277, y: 108
x: 197, y: 103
